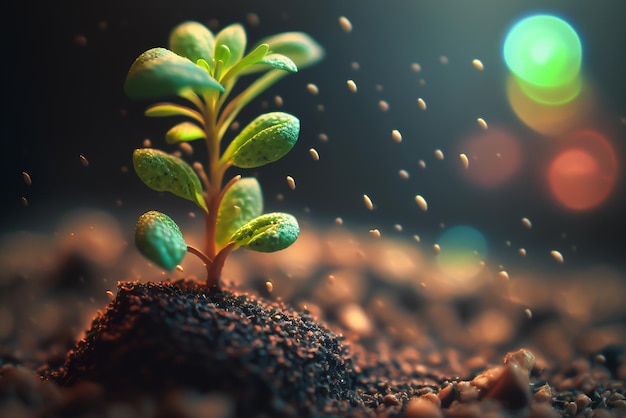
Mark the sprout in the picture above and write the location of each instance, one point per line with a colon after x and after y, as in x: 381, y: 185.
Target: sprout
x: 203, y: 68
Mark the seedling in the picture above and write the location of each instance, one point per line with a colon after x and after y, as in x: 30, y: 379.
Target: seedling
x: 202, y: 69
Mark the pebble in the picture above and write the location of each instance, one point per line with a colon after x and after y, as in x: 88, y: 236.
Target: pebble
x: 525, y: 359
x: 422, y: 408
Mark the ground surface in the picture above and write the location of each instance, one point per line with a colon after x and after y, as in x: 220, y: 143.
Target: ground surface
x: 372, y: 330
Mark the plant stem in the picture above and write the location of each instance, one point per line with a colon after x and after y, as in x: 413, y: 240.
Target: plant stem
x: 202, y: 256
x: 214, y: 272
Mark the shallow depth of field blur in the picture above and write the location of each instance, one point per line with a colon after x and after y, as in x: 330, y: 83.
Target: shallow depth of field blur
x: 525, y: 205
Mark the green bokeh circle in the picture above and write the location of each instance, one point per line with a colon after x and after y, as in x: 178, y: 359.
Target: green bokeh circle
x: 543, y: 50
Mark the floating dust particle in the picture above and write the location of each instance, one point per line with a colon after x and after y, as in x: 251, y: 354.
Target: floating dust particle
x: 330, y: 279
x: 234, y: 126
x: 422, y: 164
x: 214, y: 24
x: 436, y: 248
x: 444, y: 60
x: 478, y: 64
x: 147, y: 143
x: 110, y: 295
x: 482, y: 123
x: 323, y: 137
x: 503, y: 275
x: 416, y: 238
x: 526, y: 222
x: 83, y: 160
x: 320, y: 108
x: 379, y: 88
x: 269, y: 286
x: 416, y: 68
x: 396, y: 136
x: 507, y: 243
x: 291, y: 183
x: 522, y: 252
x: 345, y: 24
x: 351, y: 86
x: 355, y: 66
x: 421, y: 202
x: 314, y: 154
x: 252, y: 19
x: 119, y: 202
x: 24, y: 201
x: 375, y: 233
x: 124, y: 169
x: 186, y: 148
x: 192, y: 215
x: 313, y: 89
x: 27, y: 179
x: 421, y: 82
x: 439, y: 154
x: 383, y: 106
x: 464, y: 160
x: 528, y: 313
x: 398, y: 227
x: 368, y: 202
x: 180, y: 268
x: 280, y: 197
x: 177, y: 153
x: 558, y: 257
x: 278, y: 101
x: 338, y: 221
x: 421, y: 103
x: 404, y: 174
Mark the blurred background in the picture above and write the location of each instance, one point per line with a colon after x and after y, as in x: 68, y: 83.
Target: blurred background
x: 553, y: 151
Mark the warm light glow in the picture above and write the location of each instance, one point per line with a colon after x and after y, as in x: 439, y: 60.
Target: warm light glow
x: 462, y: 250
x: 494, y: 157
x: 583, y: 175
x: 545, y: 118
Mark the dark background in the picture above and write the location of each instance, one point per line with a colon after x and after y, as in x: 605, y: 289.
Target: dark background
x: 63, y: 98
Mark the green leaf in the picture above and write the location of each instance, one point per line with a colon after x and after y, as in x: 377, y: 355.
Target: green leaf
x: 266, y: 139
x: 268, y: 233
x: 233, y: 37
x: 172, y: 109
x: 164, y: 172
x: 240, y: 204
x: 159, y: 239
x: 159, y: 72
x: 254, y: 57
x: 184, y: 131
x: 192, y: 40
x: 281, y: 62
x: 303, y: 50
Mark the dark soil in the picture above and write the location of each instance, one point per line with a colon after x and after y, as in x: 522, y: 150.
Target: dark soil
x: 173, y: 350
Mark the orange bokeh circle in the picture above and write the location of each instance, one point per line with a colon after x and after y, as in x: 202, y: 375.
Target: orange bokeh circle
x: 583, y: 174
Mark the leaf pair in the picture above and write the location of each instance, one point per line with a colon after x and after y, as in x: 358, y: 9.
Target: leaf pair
x: 159, y: 239
x: 266, y: 139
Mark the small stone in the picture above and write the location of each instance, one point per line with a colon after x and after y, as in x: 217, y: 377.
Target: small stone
x: 512, y: 387
x: 582, y: 401
x: 525, y: 359
x: 422, y: 408
x: 544, y: 394
x: 571, y: 409
x: 391, y: 400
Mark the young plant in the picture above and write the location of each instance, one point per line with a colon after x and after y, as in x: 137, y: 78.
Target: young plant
x: 202, y: 69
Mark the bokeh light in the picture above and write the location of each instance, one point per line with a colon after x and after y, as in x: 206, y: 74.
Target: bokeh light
x: 544, y: 51
x: 583, y: 174
x: 549, y: 119
x: 462, y: 250
x: 494, y: 157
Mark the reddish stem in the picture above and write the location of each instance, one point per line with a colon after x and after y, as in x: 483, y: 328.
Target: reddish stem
x: 214, y: 271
